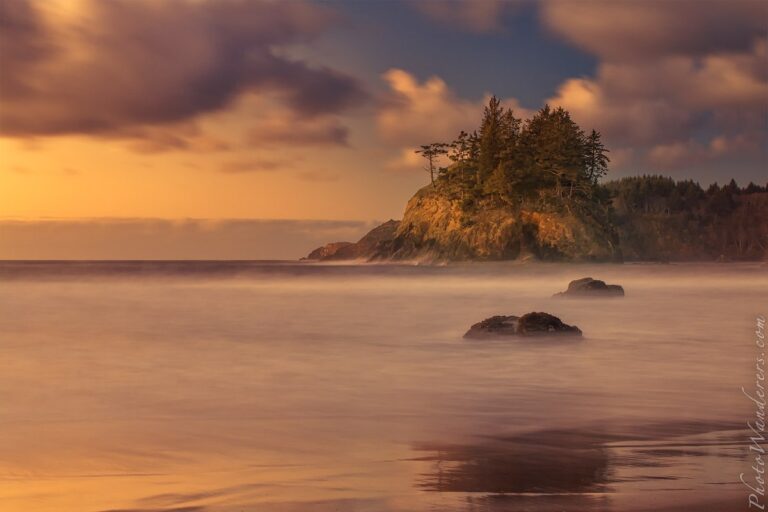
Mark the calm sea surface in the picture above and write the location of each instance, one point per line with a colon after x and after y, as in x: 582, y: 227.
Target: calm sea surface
x: 268, y: 386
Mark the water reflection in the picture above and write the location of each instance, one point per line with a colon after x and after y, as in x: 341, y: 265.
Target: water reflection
x: 601, y: 468
x: 544, y: 462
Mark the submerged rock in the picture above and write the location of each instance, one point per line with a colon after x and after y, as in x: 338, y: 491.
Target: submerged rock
x: 530, y: 324
x: 588, y: 287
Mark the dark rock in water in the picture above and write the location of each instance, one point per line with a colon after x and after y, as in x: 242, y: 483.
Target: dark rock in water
x: 536, y: 324
x: 498, y: 325
x: 588, y: 287
x: 530, y: 324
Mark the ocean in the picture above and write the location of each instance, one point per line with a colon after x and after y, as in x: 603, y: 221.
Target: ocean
x: 283, y: 386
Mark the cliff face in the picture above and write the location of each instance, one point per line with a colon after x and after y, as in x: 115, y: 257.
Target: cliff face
x: 327, y: 251
x: 364, y: 249
x: 436, y: 228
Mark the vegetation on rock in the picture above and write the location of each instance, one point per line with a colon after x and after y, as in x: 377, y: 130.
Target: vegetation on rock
x: 513, y: 189
x: 520, y: 189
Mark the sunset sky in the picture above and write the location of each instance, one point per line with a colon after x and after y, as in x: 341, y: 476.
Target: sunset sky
x: 244, y: 129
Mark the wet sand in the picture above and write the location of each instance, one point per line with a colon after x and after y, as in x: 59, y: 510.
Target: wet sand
x: 273, y: 387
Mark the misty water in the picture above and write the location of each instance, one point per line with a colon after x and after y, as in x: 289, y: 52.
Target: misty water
x: 298, y: 387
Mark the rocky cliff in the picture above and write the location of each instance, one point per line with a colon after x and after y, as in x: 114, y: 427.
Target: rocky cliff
x: 649, y: 219
x: 371, y: 244
x: 437, y: 228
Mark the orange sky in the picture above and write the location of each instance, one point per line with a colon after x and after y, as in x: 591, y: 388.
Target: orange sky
x: 306, y: 110
x: 74, y: 177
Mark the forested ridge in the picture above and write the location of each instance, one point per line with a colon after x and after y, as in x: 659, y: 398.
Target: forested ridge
x: 659, y: 218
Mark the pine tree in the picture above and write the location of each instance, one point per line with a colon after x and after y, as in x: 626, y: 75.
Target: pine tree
x: 432, y: 153
x: 490, y: 139
x: 552, y: 145
x: 509, y: 133
x: 459, y: 152
x: 595, y: 158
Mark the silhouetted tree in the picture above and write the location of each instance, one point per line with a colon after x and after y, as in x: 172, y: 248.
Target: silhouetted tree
x: 432, y: 152
x: 491, y: 143
x: 595, y: 158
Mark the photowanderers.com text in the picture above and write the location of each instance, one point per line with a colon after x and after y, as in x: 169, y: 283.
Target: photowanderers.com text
x: 756, y: 482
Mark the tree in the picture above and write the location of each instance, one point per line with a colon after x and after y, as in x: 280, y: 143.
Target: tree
x: 432, y: 152
x: 509, y: 132
x: 552, y: 146
x: 474, y: 149
x: 490, y: 139
x: 460, y: 153
x: 545, y: 158
x: 595, y: 158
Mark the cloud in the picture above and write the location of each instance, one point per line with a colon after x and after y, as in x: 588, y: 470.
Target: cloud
x: 116, y: 67
x: 407, y: 160
x: 674, y: 82
x: 167, y: 239
x: 472, y: 15
x: 665, y: 103
x: 677, y: 154
x: 182, y: 136
x: 683, y: 153
x: 652, y: 28
x: 284, y: 129
x: 418, y: 113
x: 623, y: 118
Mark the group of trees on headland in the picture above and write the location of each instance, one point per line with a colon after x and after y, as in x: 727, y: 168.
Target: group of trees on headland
x: 547, y: 157
x: 548, y: 161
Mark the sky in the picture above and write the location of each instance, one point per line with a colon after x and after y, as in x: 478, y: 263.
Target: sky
x: 243, y: 129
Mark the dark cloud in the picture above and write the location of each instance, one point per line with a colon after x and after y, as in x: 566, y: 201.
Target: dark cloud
x: 283, y: 129
x: 679, y: 84
x: 652, y: 28
x: 22, y: 42
x: 186, y: 136
x: 126, y: 64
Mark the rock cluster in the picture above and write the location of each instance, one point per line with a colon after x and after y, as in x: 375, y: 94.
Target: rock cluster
x: 528, y: 325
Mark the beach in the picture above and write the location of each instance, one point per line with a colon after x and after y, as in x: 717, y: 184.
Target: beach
x: 279, y: 386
